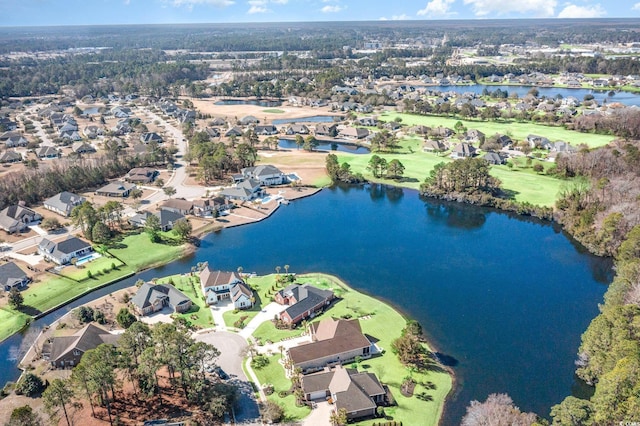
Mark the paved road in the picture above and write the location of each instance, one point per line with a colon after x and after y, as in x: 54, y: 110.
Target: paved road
x: 232, y: 348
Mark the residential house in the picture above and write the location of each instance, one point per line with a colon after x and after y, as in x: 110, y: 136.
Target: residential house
x: 392, y: 125
x: 249, y: 119
x: 83, y: 148
x: 11, y: 276
x: 71, y: 135
x: 166, y: 219
x: 353, y: 133
x: 63, y: 203
x: 303, y: 301
x: 63, y: 251
x: 120, y: 112
x: 265, y: 174
x: 324, y: 129
x: 141, y: 175
x: 474, y: 136
x: 16, y: 141
x: 504, y: 140
x: 220, y: 204
x: 48, y: 152
x: 359, y: 394
x: 219, y: 285
x: 218, y: 121
x: 266, y: 130
x: 441, y: 132
x: 66, y: 351
x: 92, y: 131
x: 561, y: 146
x: 15, y: 218
x: 536, y: 141
x: 494, y: 158
x: 334, y: 342
x: 246, y: 190
x: 116, y: 189
x: 7, y: 124
x: 150, y: 137
x: 196, y: 207
x: 152, y: 298
x: 212, y: 132
x: 297, y: 129
x: 10, y: 156
x: 234, y: 131
x: 368, y: 121
x: 434, y: 146
x: 463, y: 150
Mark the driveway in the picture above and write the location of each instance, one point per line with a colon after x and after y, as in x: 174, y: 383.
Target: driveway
x: 319, y: 415
x: 267, y: 314
x: 232, y: 348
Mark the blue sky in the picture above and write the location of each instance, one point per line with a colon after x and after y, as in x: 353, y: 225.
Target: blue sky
x: 87, y: 12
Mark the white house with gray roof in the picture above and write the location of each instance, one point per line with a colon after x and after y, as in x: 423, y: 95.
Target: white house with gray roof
x: 11, y: 276
x: 266, y: 174
x: 63, y: 203
x: 63, y: 251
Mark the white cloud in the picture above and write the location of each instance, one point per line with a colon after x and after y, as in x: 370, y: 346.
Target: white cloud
x: 636, y: 6
x: 540, y: 8
x: 280, y: 1
x: 436, y: 8
x: 574, y: 11
x: 190, y: 3
x: 402, y: 17
x: 331, y: 9
x: 257, y: 9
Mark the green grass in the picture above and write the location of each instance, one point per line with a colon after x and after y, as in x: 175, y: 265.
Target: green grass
x: 260, y: 285
x: 139, y: 252
x: 200, y: 314
x: 517, y: 130
x: 274, y: 374
x: 97, y: 267
x: 273, y: 111
x: 385, y: 325
x: 11, y: 321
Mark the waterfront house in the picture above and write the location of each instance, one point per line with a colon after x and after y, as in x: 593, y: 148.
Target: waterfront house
x: 63, y: 203
x: 297, y: 129
x: 67, y: 351
x: 353, y: 133
x: 324, y: 129
x: 220, y: 285
x: 166, y: 219
x: 63, y: 251
x: 359, y: 394
x: 17, y: 217
x: 266, y: 130
x: 116, y: 189
x: 303, y: 302
x: 246, y: 190
x: 335, y: 342
x: 11, y: 276
x: 266, y: 174
x: 152, y: 298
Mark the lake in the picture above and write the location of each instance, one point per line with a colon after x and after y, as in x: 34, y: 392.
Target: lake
x: 503, y: 298
x: 334, y: 146
x: 626, y: 98
x: 261, y: 103
x: 312, y: 119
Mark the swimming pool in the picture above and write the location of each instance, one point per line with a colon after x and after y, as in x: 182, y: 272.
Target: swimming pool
x: 88, y: 258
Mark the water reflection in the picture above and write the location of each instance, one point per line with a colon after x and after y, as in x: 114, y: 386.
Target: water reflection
x: 456, y: 215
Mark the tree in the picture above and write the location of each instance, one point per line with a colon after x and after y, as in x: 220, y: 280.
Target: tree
x: 272, y: 412
x: 51, y: 223
x: 29, y: 385
x: 299, y: 141
x: 15, y: 298
x: 310, y: 143
x: 58, y: 395
x: 152, y: 228
x: 572, y: 412
x: 377, y: 165
x: 24, y: 416
x: 538, y: 168
x: 84, y: 314
x: 395, y: 169
x: 498, y: 410
x: 100, y: 233
x: 125, y: 318
x: 136, y: 194
x: 169, y: 191
x: 339, y: 418
x: 182, y: 228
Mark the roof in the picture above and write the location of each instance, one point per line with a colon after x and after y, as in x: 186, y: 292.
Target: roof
x: 68, y: 246
x: 89, y: 337
x: 307, y: 296
x: 47, y: 151
x: 332, y: 337
x: 10, y: 155
x: 211, y: 278
x: 238, y: 290
x: 117, y: 187
x: 10, y: 273
x: 64, y: 201
x: 178, y: 203
x: 149, y: 293
x: 262, y: 170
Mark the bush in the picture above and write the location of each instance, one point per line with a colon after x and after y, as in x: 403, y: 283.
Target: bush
x: 29, y: 385
x: 85, y: 314
x: 259, y: 361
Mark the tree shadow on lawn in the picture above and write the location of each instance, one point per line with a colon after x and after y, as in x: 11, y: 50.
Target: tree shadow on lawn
x: 508, y: 194
x: 29, y: 310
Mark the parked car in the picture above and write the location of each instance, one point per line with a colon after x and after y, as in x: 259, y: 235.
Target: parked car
x: 221, y: 374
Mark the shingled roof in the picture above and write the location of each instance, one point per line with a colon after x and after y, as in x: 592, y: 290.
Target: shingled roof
x: 89, y: 337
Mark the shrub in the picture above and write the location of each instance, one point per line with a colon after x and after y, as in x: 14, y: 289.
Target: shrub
x: 29, y: 385
x: 259, y: 361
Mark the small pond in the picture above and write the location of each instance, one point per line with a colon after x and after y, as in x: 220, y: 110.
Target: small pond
x: 313, y: 119
x: 261, y: 103
x: 327, y: 146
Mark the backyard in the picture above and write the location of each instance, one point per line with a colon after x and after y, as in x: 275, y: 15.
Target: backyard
x: 140, y: 253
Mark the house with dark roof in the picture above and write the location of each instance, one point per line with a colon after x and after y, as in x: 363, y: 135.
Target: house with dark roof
x: 11, y: 276
x: 266, y: 130
x: 324, y: 129
x: 536, y: 141
x: 494, y: 158
x: 116, y: 189
x: 16, y: 218
x: 463, y: 150
x: 335, y: 342
x: 353, y: 133
x: 248, y: 119
x: 63, y: 251
x: 63, y: 203
x: 265, y: 174
x: 10, y: 156
x: 141, y: 175
x: 358, y: 393
x: 48, y: 152
x: 220, y: 285
x: 434, y: 146
x: 83, y: 148
x: 303, y: 301
x: 166, y: 219
x: 149, y: 137
x: 151, y: 298
x: 66, y: 351
x: 16, y: 140
x: 234, y: 131
x: 297, y: 129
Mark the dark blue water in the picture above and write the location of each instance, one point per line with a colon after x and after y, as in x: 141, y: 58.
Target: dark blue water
x: 626, y: 98
x: 312, y: 119
x: 502, y: 298
x: 335, y: 146
x: 261, y: 103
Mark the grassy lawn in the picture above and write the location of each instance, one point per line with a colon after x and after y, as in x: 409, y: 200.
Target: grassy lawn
x: 260, y: 285
x: 200, y: 314
x: 273, y: 111
x: 274, y: 374
x: 97, y: 268
x: 11, y: 322
x: 385, y: 324
x: 517, y: 130
x: 139, y: 252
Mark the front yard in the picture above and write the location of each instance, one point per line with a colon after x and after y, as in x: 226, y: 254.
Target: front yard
x: 200, y: 314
